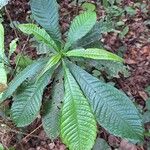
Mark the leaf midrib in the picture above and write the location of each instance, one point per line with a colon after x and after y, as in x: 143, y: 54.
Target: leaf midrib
x: 74, y: 105
x: 31, y: 98
x: 50, y: 44
x: 16, y: 81
x: 79, y: 31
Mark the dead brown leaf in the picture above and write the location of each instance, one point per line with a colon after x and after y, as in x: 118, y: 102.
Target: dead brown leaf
x: 2, y: 87
x: 143, y: 95
x: 125, y: 145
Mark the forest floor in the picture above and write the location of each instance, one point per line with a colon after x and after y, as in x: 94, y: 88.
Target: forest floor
x: 136, y: 55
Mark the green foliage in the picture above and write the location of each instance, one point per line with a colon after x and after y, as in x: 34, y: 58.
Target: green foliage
x: 94, y: 53
x: 12, y: 47
x: 80, y: 26
x: 122, y: 116
x: 4, y: 61
x: 148, y: 90
x: 28, y: 72
x: 53, y: 61
x: 88, y: 6
x: 41, y: 48
x: 3, y: 76
x: 71, y: 113
x: 27, y: 104
x: 51, y: 117
x: 146, y: 115
x: 111, y: 68
x: 148, y: 104
x: 101, y: 144
x: 3, y: 3
x: 105, y: 3
x: 22, y: 61
x: 78, y: 126
x: 45, y: 12
x: 114, y: 11
x: 124, y: 32
x: 40, y: 34
x: 1, y: 147
x: 130, y: 10
x: 2, y: 39
x: 102, y: 26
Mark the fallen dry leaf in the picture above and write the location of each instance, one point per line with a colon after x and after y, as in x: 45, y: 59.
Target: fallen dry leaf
x: 125, y: 145
x: 2, y: 87
x: 143, y: 95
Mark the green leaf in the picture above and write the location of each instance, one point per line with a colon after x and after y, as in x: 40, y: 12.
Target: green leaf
x: 105, y: 3
x: 95, y: 34
x: 51, y: 117
x: 148, y: 104
x: 53, y: 61
x: 80, y: 26
x: 111, y: 68
x: 131, y: 11
x: 41, y: 48
x: 101, y: 144
x: 1, y: 40
x: 78, y: 126
x: 3, y: 78
x: 40, y: 34
x: 88, y: 6
x: 12, y: 47
x: 148, y: 90
x: 23, y: 61
x: 114, y: 11
x: 146, y: 117
x: 124, y: 32
x: 120, y: 23
x: 113, y: 109
x: 147, y: 134
x: 45, y: 12
x: 94, y: 53
x: 3, y: 75
x: 27, y: 103
x: 51, y: 120
x: 1, y: 147
x: 1, y: 95
x: 28, y: 72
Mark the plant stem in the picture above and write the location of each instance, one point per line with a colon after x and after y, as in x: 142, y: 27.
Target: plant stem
x: 77, y: 6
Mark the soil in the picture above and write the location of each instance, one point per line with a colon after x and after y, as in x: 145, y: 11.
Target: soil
x: 137, y: 57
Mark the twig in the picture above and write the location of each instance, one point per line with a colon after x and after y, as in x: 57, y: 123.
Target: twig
x: 9, y: 17
x: 17, y: 132
x: 32, y: 132
x: 77, y: 6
